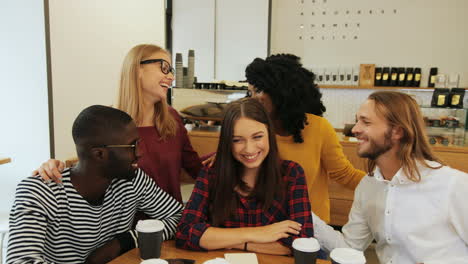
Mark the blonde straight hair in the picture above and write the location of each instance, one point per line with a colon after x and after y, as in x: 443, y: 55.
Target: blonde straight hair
x: 130, y: 92
x: 401, y: 110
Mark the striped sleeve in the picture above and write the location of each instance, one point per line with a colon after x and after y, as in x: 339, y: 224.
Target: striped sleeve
x: 28, y: 222
x: 158, y: 204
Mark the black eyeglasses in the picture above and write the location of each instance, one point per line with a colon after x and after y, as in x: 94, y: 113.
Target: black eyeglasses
x: 134, y: 146
x: 166, y: 67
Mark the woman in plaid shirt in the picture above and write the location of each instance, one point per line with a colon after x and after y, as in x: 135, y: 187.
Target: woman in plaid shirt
x: 249, y: 199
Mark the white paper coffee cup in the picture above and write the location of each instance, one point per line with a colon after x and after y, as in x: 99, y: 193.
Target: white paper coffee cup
x: 216, y: 261
x: 305, y: 250
x: 309, y: 244
x: 347, y: 256
x: 150, y: 238
x: 154, y: 261
x: 149, y: 226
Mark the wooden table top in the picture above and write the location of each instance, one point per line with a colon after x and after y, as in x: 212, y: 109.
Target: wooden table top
x: 4, y: 160
x: 169, y: 251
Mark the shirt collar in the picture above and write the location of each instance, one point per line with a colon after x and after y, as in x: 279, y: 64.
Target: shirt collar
x: 401, y: 178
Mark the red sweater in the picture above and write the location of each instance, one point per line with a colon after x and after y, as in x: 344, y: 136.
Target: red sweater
x: 163, y: 160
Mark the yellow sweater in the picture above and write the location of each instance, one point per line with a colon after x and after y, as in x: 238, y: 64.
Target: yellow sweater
x: 321, y: 156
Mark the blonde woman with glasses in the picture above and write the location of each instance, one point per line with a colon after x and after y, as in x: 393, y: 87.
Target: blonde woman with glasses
x: 165, y: 148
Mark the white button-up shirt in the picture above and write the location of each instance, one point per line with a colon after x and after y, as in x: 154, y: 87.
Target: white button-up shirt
x: 412, y: 222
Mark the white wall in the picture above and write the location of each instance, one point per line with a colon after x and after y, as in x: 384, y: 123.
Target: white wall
x: 89, y: 40
x: 417, y: 33
x: 193, y: 27
x: 24, y: 133
x: 241, y: 36
x: 226, y: 35
x: 401, y: 33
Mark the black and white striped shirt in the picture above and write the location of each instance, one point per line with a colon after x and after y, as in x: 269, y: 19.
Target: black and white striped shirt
x: 50, y: 223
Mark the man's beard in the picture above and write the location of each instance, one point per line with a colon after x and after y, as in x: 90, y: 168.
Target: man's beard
x: 375, y: 150
x: 118, y: 170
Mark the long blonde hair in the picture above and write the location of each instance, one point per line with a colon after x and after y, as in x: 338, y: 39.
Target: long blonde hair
x: 130, y: 92
x: 401, y: 110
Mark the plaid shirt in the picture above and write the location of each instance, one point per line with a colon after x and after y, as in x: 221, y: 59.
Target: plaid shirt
x: 295, y: 206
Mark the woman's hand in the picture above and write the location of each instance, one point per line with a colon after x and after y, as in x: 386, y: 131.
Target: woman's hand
x: 274, y: 232
x: 209, y: 161
x: 50, y: 170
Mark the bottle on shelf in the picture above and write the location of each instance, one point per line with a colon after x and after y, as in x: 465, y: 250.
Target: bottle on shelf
x: 401, y: 76
x: 432, y: 77
x: 409, y: 77
x: 394, y: 76
x: 417, y: 77
x: 385, y: 76
x: 378, y: 76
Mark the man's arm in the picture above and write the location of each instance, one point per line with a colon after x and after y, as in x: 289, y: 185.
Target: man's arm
x: 110, y: 250
x: 356, y: 233
x: 458, y: 214
x: 105, y: 253
x: 28, y: 225
x: 154, y: 202
x: 158, y: 204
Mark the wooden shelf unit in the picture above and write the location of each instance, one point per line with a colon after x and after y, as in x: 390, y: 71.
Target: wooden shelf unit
x: 327, y: 86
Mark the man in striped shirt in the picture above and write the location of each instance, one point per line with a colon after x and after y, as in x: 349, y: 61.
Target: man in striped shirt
x: 88, y: 218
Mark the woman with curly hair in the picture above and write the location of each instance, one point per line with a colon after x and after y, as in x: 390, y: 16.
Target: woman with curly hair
x: 293, y: 100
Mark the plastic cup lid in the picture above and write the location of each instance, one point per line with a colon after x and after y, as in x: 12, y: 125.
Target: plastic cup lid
x: 150, y: 225
x: 154, y: 261
x: 309, y: 244
x: 216, y: 261
x: 348, y: 256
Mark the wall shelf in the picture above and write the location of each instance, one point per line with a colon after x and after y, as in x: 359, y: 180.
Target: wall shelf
x: 328, y: 86
x: 4, y: 160
x: 221, y: 91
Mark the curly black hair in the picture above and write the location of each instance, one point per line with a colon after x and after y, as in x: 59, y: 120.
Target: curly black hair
x: 291, y: 87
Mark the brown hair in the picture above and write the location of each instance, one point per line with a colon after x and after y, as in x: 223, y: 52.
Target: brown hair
x: 228, y: 170
x: 130, y: 92
x: 401, y: 110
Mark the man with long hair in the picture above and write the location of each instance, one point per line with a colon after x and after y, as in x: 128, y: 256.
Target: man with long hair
x: 410, y: 203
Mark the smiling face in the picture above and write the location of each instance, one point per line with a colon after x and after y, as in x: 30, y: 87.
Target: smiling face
x: 154, y: 82
x: 250, y: 144
x: 123, y: 160
x: 375, y: 136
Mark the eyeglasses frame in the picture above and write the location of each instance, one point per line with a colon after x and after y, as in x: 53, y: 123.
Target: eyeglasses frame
x: 171, y: 69
x: 134, y: 146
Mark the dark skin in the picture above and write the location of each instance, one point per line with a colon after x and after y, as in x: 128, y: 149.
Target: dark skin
x: 93, y: 193
x: 266, y: 101
x: 91, y: 178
